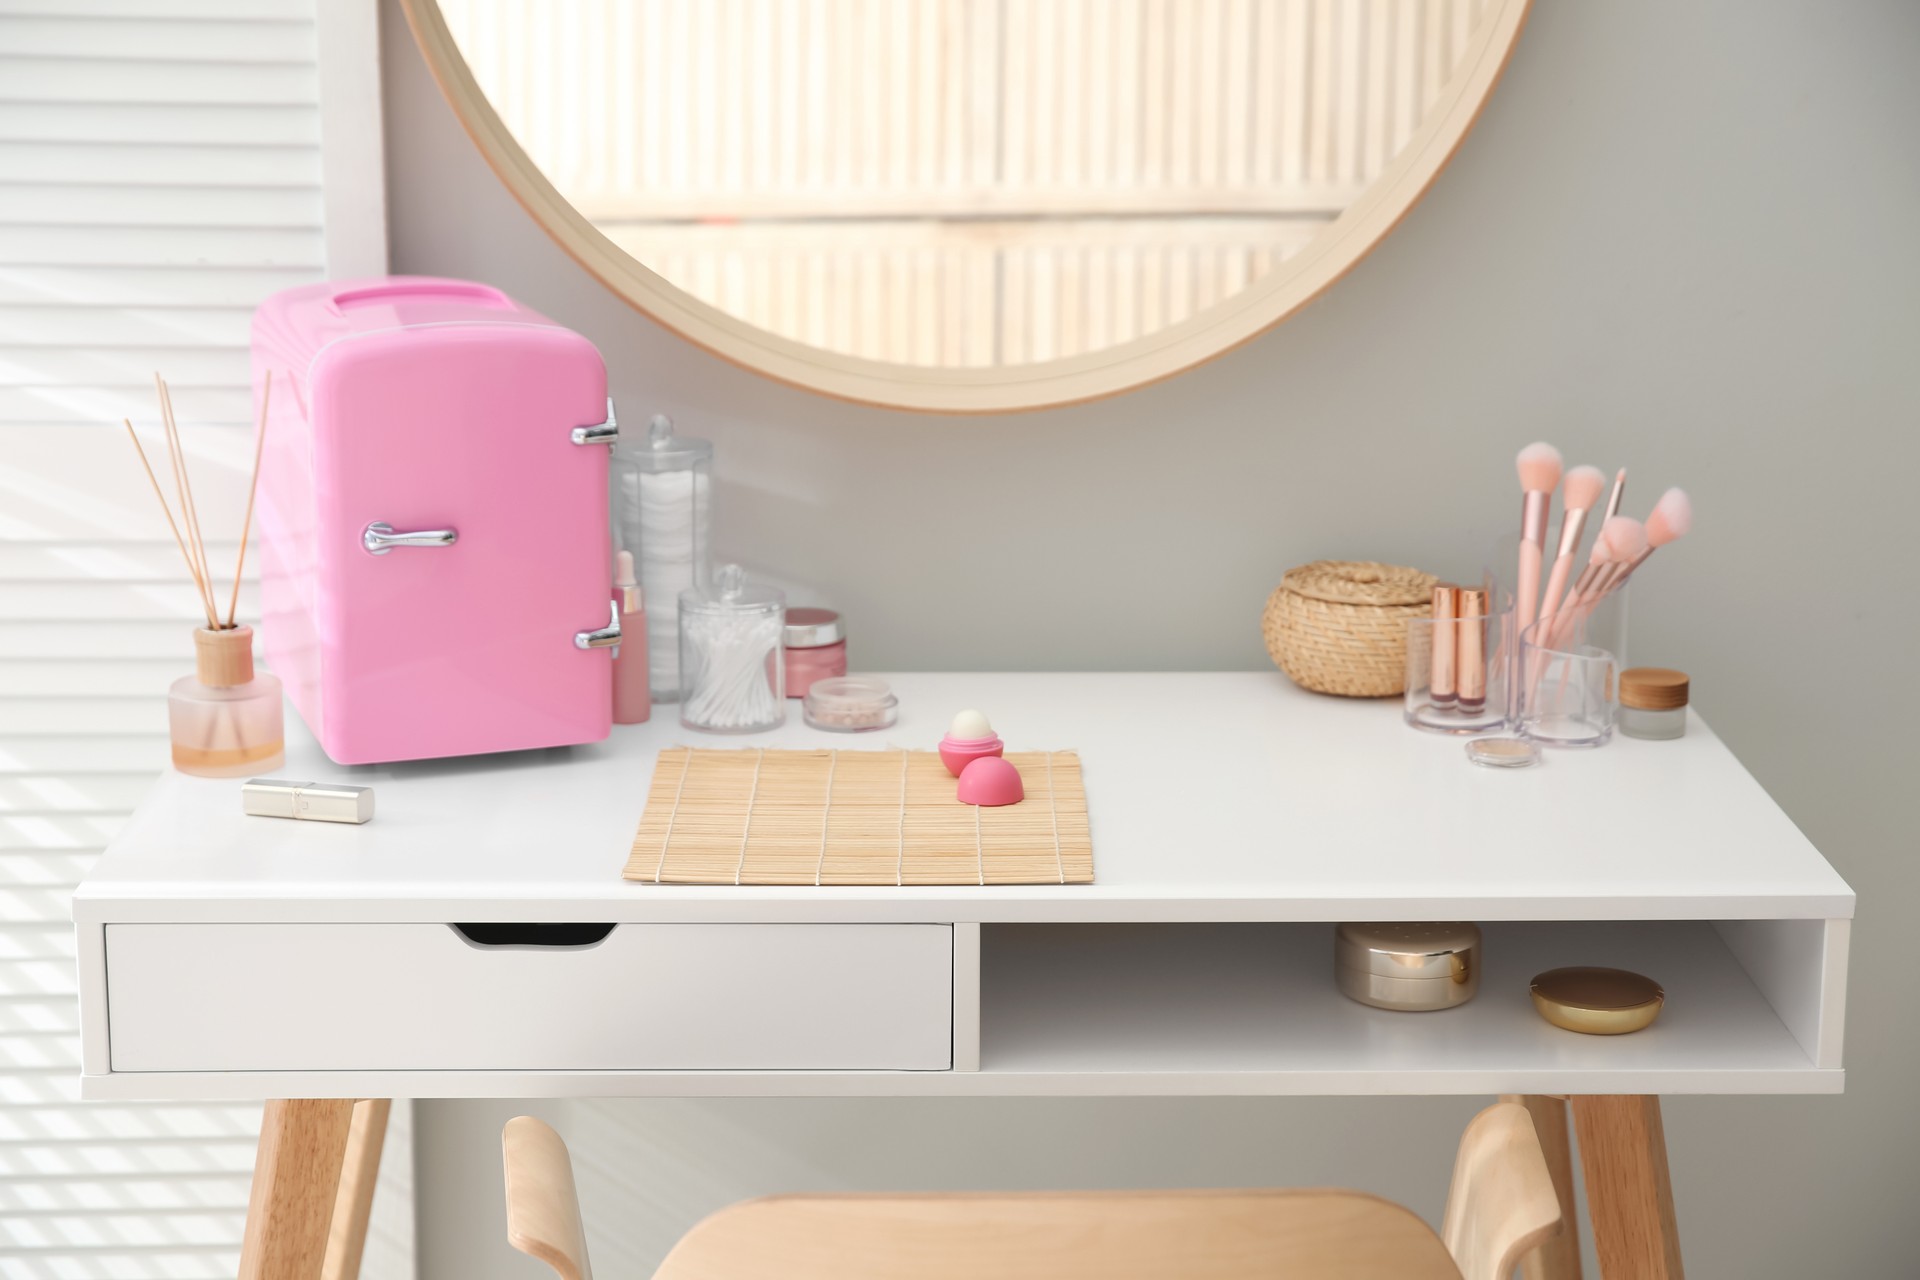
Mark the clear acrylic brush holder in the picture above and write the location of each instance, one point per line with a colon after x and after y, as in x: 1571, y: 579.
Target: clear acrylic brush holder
x: 1593, y: 623
x: 1457, y: 671
x: 1569, y: 691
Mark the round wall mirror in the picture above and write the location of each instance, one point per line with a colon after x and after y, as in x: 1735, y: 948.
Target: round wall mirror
x: 967, y: 206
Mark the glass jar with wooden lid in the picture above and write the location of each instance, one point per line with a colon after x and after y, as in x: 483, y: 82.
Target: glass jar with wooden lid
x: 1653, y: 702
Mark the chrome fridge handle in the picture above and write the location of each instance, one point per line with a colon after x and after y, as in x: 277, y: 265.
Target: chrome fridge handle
x: 606, y: 432
x: 607, y: 637
x: 379, y: 538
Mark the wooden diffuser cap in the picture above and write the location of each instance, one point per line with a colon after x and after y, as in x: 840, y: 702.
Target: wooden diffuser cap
x: 223, y: 658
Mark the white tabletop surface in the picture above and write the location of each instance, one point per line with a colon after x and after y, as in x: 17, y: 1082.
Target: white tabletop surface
x: 1223, y: 796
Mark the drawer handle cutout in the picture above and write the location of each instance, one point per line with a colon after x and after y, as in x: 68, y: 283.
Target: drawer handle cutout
x: 494, y: 937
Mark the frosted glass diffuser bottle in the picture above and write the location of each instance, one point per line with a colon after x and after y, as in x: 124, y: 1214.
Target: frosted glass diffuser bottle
x: 663, y: 513
x: 225, y: 719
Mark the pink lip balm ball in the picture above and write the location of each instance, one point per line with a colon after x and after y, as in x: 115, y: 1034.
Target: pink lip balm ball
x: 969, y: 738
x: 990, y: 782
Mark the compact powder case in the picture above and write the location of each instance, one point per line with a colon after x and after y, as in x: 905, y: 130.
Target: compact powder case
x: 1597, y: 1002
x: 1408, y: 966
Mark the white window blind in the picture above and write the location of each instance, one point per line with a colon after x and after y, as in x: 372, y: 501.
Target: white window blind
x: 161, y: 170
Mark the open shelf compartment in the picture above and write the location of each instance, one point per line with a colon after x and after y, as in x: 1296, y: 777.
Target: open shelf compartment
x: 1252, y: 1008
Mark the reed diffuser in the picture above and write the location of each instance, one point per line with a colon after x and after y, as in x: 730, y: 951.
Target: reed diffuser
x: 225, y: 719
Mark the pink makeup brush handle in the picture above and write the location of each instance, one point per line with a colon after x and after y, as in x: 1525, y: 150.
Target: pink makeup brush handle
x: 1526, y: 593
x: 1556, y: 583
x: 1575, y: 613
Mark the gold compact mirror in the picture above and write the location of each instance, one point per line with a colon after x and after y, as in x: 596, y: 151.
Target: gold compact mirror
x: 967, y: 205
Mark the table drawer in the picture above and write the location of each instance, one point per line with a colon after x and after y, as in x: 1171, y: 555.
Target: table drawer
x: 397, y: 997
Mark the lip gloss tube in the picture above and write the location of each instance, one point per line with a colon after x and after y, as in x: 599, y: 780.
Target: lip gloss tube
x: 1470, y: 658
x: 1446, y: 605
x: 632, y: 700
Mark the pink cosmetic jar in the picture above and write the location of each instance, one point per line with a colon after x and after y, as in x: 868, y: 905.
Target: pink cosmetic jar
x: 816, y: 644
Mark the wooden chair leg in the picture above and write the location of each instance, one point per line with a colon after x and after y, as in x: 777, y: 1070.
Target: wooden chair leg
x: 296, y: 1174
x: 1623, y: 1152
x: 347, y: 1237
x: 1558, y: 1258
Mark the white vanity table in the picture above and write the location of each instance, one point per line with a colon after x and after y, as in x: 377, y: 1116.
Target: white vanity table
x: 1234, y: 817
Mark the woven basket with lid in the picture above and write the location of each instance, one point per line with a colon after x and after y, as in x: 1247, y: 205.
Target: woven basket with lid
x: 1340, y: 626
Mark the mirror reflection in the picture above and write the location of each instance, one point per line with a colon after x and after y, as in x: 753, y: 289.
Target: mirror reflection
x: 962, y: 183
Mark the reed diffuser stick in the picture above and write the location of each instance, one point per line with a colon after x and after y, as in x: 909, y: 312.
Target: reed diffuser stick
x: 166, y: 511
x: 183, y: 486
x: 253, y: 483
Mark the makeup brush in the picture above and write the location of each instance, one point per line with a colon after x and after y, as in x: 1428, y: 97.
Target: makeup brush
x: 1670, y: 521
x: 1621, y: 540
x: 1619, y: 492
x: 1579, y: 492
x: 1539, y: 466
x: 1595, y: 565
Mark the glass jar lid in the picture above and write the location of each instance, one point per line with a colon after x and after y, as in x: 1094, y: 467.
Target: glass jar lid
x: 809, y: 628
x: 730, y: 592
x: 660, y: 449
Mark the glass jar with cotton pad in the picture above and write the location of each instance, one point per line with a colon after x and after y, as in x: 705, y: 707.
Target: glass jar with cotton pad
x: 663, y: 513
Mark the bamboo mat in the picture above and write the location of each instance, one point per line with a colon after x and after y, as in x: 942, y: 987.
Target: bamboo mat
x: 855, y: 817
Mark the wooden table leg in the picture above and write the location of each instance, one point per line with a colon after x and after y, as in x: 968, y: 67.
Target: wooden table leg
x: 1623, y: 1152
x: 347, y: 1237
x: 296, y: 1175
x: 1559, y: 1257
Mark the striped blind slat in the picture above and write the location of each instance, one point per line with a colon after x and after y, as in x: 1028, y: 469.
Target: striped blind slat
x: 160, y: 173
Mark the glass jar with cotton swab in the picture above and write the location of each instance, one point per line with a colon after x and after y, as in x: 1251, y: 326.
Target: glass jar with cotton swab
x: 663, y: 514
x: 732, y: 668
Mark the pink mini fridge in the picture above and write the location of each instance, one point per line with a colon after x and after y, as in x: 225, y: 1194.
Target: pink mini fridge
x: 432, y: 514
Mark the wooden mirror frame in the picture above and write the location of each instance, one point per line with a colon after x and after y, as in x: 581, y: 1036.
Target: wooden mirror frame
x: 1009, y: 388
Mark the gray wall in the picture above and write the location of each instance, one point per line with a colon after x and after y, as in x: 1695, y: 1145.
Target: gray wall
x: 1681, y: 238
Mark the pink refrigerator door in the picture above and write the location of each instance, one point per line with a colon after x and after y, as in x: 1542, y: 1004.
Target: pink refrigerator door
x: 463, y: 543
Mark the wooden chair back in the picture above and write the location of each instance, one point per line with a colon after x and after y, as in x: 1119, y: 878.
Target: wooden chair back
x: 1502, y: 1204
x: 543, y: 1207
x: 1118, y: 1235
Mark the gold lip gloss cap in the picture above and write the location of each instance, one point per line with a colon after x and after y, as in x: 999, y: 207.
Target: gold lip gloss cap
x: 307, y: 801
x: 1597, y: 1002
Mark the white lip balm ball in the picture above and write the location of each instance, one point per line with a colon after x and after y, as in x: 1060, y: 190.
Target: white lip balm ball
x: 970, y: 724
